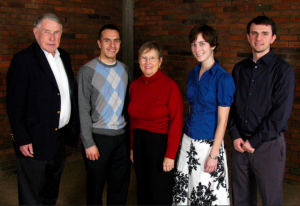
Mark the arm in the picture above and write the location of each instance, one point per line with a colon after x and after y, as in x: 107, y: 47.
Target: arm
x: 211, y: 164
x: 232, y: 126
x: 175, y: 110
x: 131, y: 138
x: 235, y: 135
x: 84, y: 78
x: 225, y: 91
x: 16, y: 102
x: 278, y: 116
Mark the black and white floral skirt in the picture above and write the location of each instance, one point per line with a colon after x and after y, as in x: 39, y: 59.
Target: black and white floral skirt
x: 192, y: 185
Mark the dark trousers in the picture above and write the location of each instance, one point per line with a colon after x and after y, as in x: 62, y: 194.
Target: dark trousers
x: 263, y: 169
x: 113, y: 166
x: 38, y: 181
x: 154, y: 186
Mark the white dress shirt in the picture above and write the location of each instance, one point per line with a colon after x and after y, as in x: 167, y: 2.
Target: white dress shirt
x: 63, y: 86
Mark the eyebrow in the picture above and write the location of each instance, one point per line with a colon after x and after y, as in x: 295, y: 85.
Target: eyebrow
x: 111, y: 39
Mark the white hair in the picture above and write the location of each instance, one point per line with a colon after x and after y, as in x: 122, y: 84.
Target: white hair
x: 49, y: 16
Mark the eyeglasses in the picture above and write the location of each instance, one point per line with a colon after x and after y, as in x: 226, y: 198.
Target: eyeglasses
x: 151, y: 59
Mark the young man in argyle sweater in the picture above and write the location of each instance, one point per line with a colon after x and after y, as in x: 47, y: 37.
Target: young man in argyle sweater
x: 102, y: 96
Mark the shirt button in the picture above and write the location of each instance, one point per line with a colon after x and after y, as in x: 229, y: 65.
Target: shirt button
x: 255, y: 67
x: 249, y: 94
x: 56, y: 129
x: 252, y: 80
x: 58, y: 112
x: 246, y: 121
x: 57, y: 94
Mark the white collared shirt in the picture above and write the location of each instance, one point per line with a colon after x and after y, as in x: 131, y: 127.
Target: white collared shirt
x: 62, y: 81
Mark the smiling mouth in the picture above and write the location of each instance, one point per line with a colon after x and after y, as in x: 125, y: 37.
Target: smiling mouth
x: 258, y: 44
x: 199, y: 55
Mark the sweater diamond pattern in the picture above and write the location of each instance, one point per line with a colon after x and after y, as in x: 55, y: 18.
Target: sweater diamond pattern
x: 113, y: 91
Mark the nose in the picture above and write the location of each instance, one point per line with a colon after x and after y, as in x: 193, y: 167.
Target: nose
x: 113, y: 44
x: 51, y: 36
x: 258, y: 37
x: 198, y: 48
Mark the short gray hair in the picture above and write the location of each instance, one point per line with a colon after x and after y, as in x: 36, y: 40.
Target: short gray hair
x: 49, y: 16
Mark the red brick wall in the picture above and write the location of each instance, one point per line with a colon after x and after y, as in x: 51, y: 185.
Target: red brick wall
x: 81, y: 19
x: 169, y: 22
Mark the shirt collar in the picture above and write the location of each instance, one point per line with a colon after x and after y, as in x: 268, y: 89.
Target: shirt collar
x: 57, y: 54
x: 266, y: 59
x: 212, y: 70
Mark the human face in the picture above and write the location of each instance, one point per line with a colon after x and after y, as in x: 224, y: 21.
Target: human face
x: 149, y: 62
x: 109, y: 44
x: 48, y: 35
x: 202, y: 50
x: 260, y: 38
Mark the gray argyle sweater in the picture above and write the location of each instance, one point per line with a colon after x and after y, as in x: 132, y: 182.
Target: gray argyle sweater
x: 102, y: 90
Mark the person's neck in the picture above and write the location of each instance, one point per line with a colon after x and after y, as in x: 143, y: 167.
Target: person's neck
x: 207, y: 64
x: 258, y: 55
x: 107, y: 60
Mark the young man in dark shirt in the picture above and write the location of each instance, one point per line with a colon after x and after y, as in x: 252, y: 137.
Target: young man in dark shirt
x: 262, y: 105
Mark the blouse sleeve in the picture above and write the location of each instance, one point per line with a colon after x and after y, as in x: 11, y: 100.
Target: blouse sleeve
x: 226, y: 89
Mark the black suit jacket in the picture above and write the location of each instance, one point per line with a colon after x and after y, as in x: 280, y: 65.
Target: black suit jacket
x: 33, y: 102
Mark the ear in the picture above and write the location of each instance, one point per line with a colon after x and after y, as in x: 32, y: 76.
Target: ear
x: 273, y: 38
x: 248, y: 37
x: 213, y: 48
x: 35, y: 32
x: 99, y: 43
x: 160, y: 61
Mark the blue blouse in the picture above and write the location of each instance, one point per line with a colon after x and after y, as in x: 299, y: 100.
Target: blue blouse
x: 215, y: 88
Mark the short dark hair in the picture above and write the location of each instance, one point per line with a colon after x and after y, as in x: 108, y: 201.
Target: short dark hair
x: 107, y: 26
x: 262, y: 20
x: 149, y: 46
x: 209, y: 34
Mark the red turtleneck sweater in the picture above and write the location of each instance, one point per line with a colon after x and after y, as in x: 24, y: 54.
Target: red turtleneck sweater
x: 156, y: 106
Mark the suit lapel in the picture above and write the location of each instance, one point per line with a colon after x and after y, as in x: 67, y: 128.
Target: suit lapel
x: 67, y: 68
x: 44, y: 64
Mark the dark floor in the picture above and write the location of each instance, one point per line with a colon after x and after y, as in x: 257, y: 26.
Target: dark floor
x: 73, y: 188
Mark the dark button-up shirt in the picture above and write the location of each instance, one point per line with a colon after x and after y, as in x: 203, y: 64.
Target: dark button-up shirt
x: 215, y: 88
x: 263, y: 98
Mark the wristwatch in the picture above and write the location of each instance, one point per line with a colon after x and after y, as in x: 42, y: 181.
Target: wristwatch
x: 214, y: 157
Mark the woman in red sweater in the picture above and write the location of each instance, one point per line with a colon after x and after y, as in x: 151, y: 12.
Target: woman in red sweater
x: 156, y: 120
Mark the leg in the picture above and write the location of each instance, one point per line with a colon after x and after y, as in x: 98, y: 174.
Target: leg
x: 269, y: 166
x: 118, y: 180
x: 31, y: 177
x: 244, y: 188
x: 53, y: 174
x: 139, y: 161
x: 54, y: 170
x: 39, y: 180
x: 161, y: 180
x: 154, y: 185
x: 97, y: 170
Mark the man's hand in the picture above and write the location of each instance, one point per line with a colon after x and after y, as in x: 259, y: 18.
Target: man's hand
x: 247, y: 147
x: 168, y: 164
x: 92, y: 153
x: 131, y: 156
x: 210, y: 165
x: 27, y: 150
x: 238, y: 145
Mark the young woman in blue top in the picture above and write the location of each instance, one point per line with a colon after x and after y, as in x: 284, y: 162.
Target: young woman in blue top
x: 201, y: 176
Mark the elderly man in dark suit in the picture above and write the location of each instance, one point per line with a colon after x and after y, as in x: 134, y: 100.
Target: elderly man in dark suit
x: 42, y: 112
